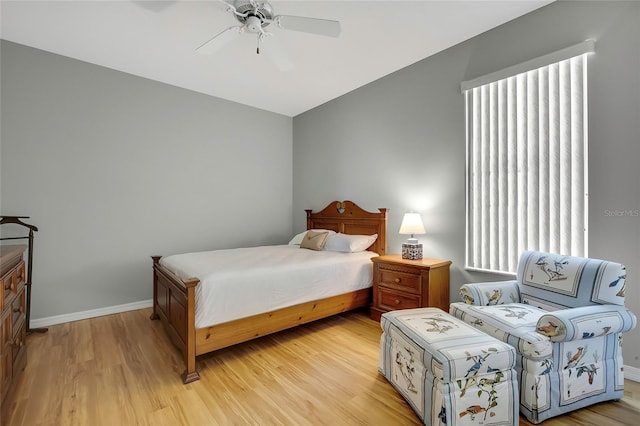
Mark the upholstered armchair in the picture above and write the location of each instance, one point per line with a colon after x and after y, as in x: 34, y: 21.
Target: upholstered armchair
x: 565, y: 317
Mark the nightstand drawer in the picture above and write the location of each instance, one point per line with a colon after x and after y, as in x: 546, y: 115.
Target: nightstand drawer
x: 392, y: 300
x: 398, y: 279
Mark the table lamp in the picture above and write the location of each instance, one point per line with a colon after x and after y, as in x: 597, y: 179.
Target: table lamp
x: 412, y: 224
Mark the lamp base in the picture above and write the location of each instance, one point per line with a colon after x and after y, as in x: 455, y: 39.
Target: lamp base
x: 412, y: 251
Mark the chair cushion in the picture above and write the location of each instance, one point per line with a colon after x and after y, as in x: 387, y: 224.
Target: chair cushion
x: 514, y: 323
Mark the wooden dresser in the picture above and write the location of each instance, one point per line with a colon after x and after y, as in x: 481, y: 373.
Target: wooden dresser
x: 13, y: 324
x: 404, y: 284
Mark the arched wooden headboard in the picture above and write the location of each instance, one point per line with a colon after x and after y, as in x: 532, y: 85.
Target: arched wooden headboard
x: 348, y: 218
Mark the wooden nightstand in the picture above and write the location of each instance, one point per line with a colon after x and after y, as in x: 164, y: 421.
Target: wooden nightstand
x: 403, y: 284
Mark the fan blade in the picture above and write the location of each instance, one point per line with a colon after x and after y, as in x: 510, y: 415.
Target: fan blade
x: 230, y: 7
x: 154, y: 5
x: 276, y: 54
x: 323, y: 27
x: 218, y: 41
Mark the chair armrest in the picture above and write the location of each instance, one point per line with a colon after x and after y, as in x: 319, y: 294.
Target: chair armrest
x: 490, y: 293
x: 585, y: 322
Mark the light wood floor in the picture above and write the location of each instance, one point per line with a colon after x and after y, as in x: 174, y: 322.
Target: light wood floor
x: 121, y: 370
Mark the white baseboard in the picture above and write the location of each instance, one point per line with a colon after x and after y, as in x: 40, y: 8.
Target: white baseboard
x: 76, y: 316
x: 632, y: 373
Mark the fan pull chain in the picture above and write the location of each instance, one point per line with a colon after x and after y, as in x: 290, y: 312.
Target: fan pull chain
x: 261, y: 35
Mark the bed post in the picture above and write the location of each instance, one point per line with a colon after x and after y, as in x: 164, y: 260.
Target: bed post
x: 309, y: 222
x: 190, y: 374
x: 154, y: 314
x: 382, y: 233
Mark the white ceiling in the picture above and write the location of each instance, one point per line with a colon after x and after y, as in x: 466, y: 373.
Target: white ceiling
x: 157, y: 40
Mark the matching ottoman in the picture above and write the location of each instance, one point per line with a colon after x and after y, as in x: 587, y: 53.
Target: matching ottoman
x: 449, y: 372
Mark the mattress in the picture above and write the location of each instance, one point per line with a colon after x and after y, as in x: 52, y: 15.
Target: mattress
x: 237, y: 283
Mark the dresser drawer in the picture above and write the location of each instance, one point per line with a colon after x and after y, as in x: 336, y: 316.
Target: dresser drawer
x: 11, y: 283
x: 6, y: 332
x: 19, y: 344
x: 18, y: 309
x: 21, y: 275
x: 391, y: 299
x: 399, y: 279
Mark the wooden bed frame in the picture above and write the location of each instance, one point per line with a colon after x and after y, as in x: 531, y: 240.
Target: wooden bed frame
x: 174, y: 298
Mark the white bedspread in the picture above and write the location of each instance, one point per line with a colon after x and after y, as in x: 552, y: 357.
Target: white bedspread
x: 237, y: 283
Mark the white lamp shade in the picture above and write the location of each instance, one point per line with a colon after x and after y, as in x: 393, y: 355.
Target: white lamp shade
x: 412, y: 224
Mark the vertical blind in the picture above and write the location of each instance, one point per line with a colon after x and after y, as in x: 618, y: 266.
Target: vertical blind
x: 527, y: 165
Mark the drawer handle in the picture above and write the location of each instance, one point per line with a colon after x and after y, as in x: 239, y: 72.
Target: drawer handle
x: 18, y: 343
x: 397, y: 280
x: 9, y: 286
x: 20, y: 309
x: 397, y: 301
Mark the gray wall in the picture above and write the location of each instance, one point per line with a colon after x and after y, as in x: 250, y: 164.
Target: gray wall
x: 399, y: 142
x: 113, y: 168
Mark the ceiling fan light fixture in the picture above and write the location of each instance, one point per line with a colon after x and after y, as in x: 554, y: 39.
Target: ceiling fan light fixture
x: 253, y: 24
x: 254, y: 16
x: 245, y: 9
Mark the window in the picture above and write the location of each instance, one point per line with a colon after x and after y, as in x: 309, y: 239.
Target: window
x: 527, y: 160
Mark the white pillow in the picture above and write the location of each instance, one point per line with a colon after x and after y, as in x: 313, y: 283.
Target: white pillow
x: 298, y: 238
x: 349, y: 243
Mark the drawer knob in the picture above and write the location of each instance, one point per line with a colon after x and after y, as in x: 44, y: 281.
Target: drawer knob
x: 397, y: 280
x: 397, y: 301
x: 19, y: 309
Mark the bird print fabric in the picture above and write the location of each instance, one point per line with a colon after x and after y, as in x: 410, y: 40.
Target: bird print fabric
x: 449, y: 372
x: 549, y: 330
x: 566, y: 324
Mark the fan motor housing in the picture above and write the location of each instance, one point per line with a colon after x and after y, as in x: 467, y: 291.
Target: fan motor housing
x: 262, y: 11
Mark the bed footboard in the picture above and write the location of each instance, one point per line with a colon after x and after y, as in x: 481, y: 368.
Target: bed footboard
x: 174, y: 305
x: 245, y: 329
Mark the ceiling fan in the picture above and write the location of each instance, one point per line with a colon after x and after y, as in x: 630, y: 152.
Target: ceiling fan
x: 254, y: 16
